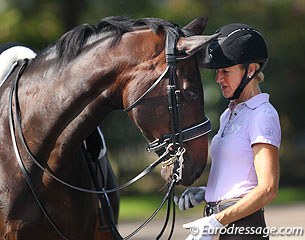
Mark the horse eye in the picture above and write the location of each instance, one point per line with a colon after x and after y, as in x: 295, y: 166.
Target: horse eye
x: 190, y: 94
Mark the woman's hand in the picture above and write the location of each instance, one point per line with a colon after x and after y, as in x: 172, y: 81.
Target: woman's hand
x: 190, y: 198
x: 205, y: 228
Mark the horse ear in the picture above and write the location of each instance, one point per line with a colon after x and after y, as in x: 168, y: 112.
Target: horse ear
x: 190, y: 45
x: 197, y: 26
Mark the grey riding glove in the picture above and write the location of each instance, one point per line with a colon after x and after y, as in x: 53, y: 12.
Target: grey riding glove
x: 191, y: 197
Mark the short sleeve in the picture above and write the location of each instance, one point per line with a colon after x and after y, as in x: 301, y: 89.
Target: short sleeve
x: 265, y: 126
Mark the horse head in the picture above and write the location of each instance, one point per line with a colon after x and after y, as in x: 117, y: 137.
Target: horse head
x: 149, y: 107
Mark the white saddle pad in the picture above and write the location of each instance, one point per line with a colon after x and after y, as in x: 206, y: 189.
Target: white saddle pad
x: 9, y: 57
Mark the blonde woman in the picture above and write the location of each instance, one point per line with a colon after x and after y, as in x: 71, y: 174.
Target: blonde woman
x: 244, y: 153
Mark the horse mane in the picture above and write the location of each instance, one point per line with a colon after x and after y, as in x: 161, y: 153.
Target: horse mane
x: 71, y: 43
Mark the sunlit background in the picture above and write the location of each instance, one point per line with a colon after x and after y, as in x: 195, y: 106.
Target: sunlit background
x: 40, y: 22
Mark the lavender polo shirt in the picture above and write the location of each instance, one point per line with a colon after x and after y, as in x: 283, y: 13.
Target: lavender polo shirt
x: 232, y: 171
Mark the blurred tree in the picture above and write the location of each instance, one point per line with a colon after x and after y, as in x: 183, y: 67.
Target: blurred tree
x: 70, y: 12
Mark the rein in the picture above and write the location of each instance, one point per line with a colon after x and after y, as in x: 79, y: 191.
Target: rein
x: 172, y: 142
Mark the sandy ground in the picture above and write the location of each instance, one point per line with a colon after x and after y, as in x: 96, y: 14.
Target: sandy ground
x: 292, y: 215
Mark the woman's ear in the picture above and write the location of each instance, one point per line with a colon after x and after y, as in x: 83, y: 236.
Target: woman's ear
x: 253, y: 67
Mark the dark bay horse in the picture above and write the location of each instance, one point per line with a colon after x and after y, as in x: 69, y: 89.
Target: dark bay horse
x: 67, y: 90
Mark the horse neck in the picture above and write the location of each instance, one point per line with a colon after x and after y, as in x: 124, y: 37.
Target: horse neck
x: 71, y: 101
x: 66, y: 100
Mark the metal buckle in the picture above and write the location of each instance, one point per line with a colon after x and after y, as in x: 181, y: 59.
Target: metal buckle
x: 177, y: 174
x: 208, y: 210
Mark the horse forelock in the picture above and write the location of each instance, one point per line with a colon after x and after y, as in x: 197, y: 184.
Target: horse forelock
x: 72, y: 42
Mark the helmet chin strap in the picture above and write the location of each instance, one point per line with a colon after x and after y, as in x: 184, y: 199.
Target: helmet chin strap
x: 245, y: 80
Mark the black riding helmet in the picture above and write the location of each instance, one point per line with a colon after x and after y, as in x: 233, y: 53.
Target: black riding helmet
x: 237, y: 44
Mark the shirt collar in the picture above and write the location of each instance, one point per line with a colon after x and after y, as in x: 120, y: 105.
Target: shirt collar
x: 257, y: 100
x: 252, y: 103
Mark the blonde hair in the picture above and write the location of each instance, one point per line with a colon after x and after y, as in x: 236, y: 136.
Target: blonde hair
x: 260, y: 77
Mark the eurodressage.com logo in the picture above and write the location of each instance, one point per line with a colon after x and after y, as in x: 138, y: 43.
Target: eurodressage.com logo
x: 264, y: 231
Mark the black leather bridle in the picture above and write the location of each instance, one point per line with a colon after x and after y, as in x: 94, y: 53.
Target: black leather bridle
x: 177, y: 135
x: 172, y: 143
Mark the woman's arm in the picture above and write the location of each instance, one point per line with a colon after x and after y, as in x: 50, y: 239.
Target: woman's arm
x: 266, y: 162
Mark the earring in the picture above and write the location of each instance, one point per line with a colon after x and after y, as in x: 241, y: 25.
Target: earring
x: 249, y: 76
